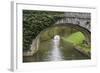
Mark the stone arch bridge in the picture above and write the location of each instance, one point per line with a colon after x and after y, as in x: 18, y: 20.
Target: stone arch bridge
x: 35, y: 43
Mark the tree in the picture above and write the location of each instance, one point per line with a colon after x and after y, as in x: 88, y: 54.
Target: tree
x: 35, y: 21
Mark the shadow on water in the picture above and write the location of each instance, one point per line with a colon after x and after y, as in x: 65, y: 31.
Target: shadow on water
x: 54, y: 50
x: 70, y: 53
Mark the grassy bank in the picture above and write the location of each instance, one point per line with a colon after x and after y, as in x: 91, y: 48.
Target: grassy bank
x: 78, y: 40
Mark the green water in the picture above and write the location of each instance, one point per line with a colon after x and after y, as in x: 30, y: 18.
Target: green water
x: 56, y: 50
x: 49, y: 52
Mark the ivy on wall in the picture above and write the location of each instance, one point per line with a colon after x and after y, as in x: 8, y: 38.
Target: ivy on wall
x: 35, y: 21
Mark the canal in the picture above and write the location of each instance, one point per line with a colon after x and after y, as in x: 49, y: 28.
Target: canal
x: 53, y: 50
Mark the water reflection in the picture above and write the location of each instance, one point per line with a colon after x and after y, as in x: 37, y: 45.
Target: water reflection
x: 55, y: 52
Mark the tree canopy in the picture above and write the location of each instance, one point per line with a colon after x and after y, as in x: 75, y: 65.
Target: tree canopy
x: 35, y: 21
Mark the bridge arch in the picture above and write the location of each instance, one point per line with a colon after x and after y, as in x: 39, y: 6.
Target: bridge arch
x: 66, y: 26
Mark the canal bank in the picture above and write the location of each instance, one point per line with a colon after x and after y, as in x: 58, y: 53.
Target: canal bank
x: 87, y: 53
x: 77, y: 42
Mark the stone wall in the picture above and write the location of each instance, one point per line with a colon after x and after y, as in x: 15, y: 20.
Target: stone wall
x: 82, y: 19
x: 33, y: 48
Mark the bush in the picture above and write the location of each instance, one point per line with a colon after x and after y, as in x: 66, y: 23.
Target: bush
x: 34, y: 22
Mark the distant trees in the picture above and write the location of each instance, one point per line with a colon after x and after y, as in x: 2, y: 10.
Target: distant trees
x: 35, y: 21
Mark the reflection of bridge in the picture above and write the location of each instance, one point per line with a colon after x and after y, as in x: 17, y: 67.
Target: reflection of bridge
x: 36, y: 41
